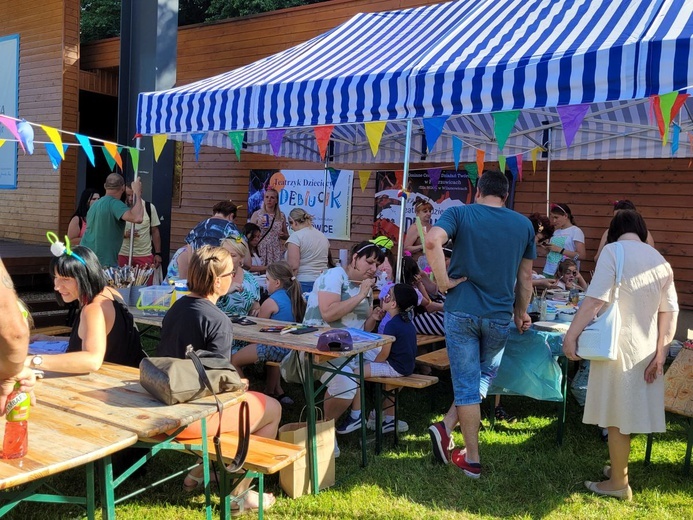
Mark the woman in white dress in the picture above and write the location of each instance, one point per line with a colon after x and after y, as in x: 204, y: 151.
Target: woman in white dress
x: 568, y: 240
x: 627, y: 395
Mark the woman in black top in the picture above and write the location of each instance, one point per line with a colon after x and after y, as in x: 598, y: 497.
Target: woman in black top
x: 104, y: 329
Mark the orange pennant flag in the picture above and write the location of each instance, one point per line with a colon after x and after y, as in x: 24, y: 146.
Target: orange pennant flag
x: 54, y: 136
x: 322, y: 136
x: 480, y: 161
x: 364, y: 177
x: 159, y: 140
x: 399, y: 177
x: 374, y: 133
x: 112, y: 150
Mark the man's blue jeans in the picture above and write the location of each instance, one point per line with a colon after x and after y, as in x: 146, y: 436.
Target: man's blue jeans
x: 475, y: 348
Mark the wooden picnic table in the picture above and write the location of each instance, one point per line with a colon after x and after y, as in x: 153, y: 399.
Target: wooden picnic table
x: 113, y: 396
x: 59, y: 441
x: 306, y: 343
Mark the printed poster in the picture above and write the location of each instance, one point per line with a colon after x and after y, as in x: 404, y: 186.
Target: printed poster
x: 306, y: 189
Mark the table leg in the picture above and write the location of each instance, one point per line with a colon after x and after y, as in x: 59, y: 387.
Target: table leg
x: 689, y: 449
x: 310, y: 402
x: 91, y: 506
x: 106, y: 487
x: 205, y: 472
x: 364, y: 415
x: 563, y: 405
x: 378, y: 418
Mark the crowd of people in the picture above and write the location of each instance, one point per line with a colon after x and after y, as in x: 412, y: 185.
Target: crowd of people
x: 481, y: 257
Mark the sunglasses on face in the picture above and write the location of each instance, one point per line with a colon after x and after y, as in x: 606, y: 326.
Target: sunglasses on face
x: 571, y: 272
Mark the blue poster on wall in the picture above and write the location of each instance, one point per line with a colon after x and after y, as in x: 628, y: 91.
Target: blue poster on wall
x: 9, y: 84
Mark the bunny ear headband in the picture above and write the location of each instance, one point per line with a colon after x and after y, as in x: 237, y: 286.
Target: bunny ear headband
x: 58, y: 248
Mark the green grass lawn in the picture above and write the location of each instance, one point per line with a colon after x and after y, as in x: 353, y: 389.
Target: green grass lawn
x: 525, y: 474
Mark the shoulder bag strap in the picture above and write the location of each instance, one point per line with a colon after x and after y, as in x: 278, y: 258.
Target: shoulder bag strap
x: 268, y: 229
x: 243, y: 420
x: 619, y: 269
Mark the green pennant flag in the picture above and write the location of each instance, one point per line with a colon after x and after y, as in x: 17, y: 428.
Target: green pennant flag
x: 109, y: 158
x: 135, y: 158
x: 473, y: 171
x: 237, y: 141
x: 501, y: 163
x: 666, y: 102
x: 503, y: 123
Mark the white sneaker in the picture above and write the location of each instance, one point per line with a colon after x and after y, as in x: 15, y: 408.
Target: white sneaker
x: 370, y: 424
x: 337, y: 451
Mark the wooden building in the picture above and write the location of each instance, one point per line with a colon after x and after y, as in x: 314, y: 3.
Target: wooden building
x: 659, y: 188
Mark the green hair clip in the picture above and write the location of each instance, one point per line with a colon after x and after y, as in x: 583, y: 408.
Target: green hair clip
x: 58, y: 248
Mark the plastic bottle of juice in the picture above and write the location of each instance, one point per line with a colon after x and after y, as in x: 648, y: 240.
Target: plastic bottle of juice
x: 16, y: 441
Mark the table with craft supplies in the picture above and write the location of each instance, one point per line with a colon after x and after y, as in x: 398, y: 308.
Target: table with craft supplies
x: 114, y: 397
x: 304, y: 343
x: 59, y: 441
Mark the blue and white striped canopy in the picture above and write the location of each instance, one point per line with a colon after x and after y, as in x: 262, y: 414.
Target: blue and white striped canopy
x: 465, y: 60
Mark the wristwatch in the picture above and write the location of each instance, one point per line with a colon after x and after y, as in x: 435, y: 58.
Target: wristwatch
x: 576, y: 257
x: 36, y: 361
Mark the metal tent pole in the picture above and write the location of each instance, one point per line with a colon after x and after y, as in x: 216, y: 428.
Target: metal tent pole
x: 132, y: 224
x: 403, y: 207
x: 324, y: 191
x: 548, y: 171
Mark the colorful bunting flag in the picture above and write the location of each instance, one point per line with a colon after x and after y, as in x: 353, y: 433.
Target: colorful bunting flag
x: 480, y: 162
x: 109, y: 158
x: 26, y: 132
x: 399, y: 177
x: 473, y: 172
x: 55, y: 138
x: 535, y: 152
x: 11, y: 125
x: 503, y: 123
x: 322, y: 136
x: 86, y: 146
x: 135, y: 158
x: 434, y: 175
x: 275, y: 136
x: 197, y: 143
x: 55, y: 155
x: 512, y: 166
x: 675, y: 139
x: 666, y: 107
x: 2, y: 141
x: 433, y: 127
x: 571, y: 118
x: 334, y: 176
x: 457, y: 145
x: 364, y: 177
x: 518, y: 159
x: 237, y: 141
x: 501, y: 163
x: 118, y: 158
x: 374, y: 133
x: 158, y: 140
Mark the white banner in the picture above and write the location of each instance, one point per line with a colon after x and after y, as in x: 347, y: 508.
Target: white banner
x: 9, y: 80
x: 306, y: 189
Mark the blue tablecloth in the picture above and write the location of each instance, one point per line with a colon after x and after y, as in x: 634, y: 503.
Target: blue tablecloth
x: 529, y: 366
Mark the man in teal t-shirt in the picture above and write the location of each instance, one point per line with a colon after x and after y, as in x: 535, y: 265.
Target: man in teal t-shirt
x: 106, y: 219
x: 490, y: 275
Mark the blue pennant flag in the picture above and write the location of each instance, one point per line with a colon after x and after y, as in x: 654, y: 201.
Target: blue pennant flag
x: 433, y: 127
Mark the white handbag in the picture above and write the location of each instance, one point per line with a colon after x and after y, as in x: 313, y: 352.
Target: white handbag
x: 598, y: 341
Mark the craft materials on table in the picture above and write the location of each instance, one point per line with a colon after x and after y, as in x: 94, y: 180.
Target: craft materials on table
x: 128, y: 276
x: 48, y: 347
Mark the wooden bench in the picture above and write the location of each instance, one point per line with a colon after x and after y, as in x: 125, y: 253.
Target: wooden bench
x: 55, y: 330
x: 437, y: 359
x: 265, y: 457
x: 428, y: 339
x: 392, y: 386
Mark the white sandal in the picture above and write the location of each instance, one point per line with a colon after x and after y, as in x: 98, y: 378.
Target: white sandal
x: 242, y: 507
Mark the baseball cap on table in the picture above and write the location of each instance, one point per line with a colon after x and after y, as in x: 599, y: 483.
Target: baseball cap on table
x: 335, y: 340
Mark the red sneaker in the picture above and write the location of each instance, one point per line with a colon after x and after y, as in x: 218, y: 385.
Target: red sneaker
x: 441, y: 441
x: 459, y: 458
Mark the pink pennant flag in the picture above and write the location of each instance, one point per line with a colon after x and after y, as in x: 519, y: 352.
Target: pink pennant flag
x: 322, y: 136
x: 519, y: 166
x: 275, y: 137
x: 434, y: 174
x: 571, y: 119
x: 11, y: 125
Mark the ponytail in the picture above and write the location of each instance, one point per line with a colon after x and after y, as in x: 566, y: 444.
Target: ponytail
x: 282, y: 271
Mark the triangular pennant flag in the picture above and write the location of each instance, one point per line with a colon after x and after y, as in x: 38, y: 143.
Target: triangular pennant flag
x: 571, y: 118
x: 275, y: 137
x: 55, y: 155
x: 158, y: 140
x: 109, y: 159
x: 678, y: 103
x: 55, y: 138
x: 518, y: 159
x: 663, y: 105
x: 399, y: 177
x: 135, y: 158
x: 197, y: 143
x: 503, y: 123
x: 374, y: 133
x: 457, y: 145
x: 11, y: 125
x: 26, y: 132
x: 675, y: 139
x: 501, y: 163
x: 112, y: 150
x: 322, y: 136
x: 364, y: 177
x: 433, y: 127
x: 334, y: 176
x: 118, y: 158
x: 535, y: 152
x: 512, y: 166
x: 434, y: 174
x: 651, y: 112
x: 480, y: 162
x: 86, y: 146
x: 473, y: 172
x: 237, y: 140
x: 2, y: 141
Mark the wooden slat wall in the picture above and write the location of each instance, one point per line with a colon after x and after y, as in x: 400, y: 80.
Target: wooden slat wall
x: 48, y: 94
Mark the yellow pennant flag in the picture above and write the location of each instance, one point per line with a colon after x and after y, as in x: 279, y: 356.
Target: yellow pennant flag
x: 364, y: 177
x: 159, y: 141
x: 535, y: 152
x: 54, y: 136
x: 112, y: 150
x: 2, y: 141
x: 480, y: 154
x: 374, y: 133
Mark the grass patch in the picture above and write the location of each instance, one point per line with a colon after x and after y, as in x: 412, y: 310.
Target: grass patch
x: 525, y: 474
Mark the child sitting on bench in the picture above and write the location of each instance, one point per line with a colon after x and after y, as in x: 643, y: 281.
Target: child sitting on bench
x: 394, y: 360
